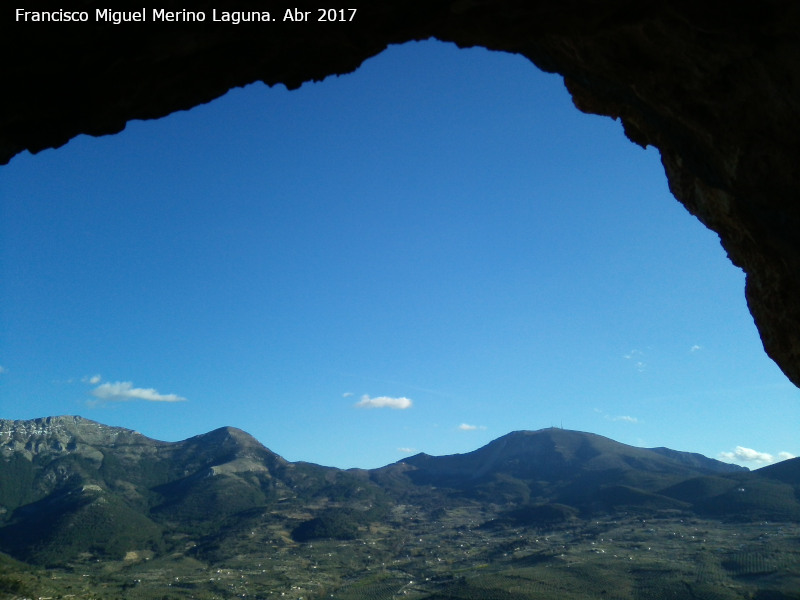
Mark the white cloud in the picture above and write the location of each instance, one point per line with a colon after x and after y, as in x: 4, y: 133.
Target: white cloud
x: 93, y: 379
x: 695, y: 348
x: 407, y: 450
x: 468, y: 427
x: 742, y: 454
x: 347, y: 394
x: 123, y: 391
x: 625, y: 418
x: 384, y: 402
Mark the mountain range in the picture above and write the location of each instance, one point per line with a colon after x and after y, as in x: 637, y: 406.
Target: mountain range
x: 70, y: 486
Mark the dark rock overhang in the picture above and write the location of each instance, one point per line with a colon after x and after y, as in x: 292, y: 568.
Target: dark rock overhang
x: 714, y: 85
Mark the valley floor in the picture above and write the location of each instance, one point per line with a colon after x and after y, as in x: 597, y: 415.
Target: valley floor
x: 455, y: 557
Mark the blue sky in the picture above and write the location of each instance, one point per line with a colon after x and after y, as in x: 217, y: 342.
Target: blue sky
x: 420, y: 256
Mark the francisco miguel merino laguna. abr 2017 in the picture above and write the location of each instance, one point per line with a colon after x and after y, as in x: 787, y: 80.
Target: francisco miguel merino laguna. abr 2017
x: 156, y: 15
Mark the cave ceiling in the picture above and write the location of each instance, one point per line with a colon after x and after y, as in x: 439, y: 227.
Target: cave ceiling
x: 715, y: 86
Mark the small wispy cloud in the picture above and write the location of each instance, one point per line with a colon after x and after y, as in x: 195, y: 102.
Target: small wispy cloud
x: 2, y: 369
x: 347, y: 394
x: 637, y: 358
x: 695, y: 348
x: 625, y: 418
x: 468, y: 427
x: 742, y: 454
x: 123, y: 391
x: 384, y: 402
x: 92, y: 379
x: 407, y: 450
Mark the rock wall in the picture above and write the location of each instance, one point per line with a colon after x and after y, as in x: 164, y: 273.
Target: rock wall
x: 715, y: 85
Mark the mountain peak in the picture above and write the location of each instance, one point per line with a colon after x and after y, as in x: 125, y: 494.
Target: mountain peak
x: 556, y: 454
x: 229, y: 450
x: 232, y: 438
x: 59, y: 435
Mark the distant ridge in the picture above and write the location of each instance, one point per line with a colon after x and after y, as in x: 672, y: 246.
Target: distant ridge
x: 558, y: 452
x: 787, y: 471
x: 573, y: 468
x: 50, y: 435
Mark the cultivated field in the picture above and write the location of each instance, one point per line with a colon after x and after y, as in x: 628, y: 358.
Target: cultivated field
x: 456, y: 555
